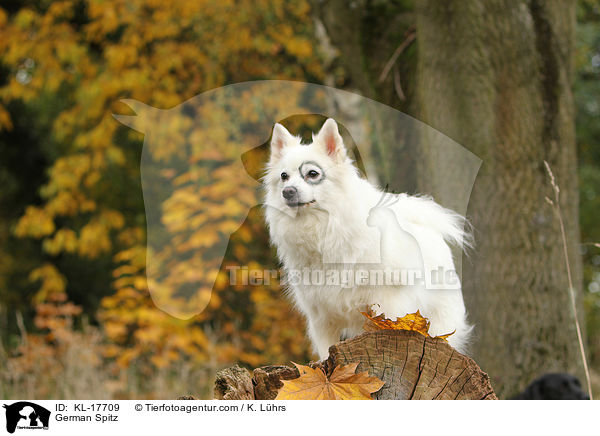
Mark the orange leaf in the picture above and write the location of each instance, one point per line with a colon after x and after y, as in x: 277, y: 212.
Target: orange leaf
x: 343, y: 384
x: 411, y: 321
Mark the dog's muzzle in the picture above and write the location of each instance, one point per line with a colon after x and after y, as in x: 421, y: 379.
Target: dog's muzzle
x: 292, y: 198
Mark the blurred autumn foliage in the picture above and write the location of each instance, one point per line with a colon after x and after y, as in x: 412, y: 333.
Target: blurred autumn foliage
x: 77, y: 319
x: 76, y: 242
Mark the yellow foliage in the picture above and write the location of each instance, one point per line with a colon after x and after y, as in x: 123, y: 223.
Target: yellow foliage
x: 5, y: 120
x: 63, y: 240
x: 161, y: 53
x: 35, y: 223
x: 53, y: 282
x: 94, y: 240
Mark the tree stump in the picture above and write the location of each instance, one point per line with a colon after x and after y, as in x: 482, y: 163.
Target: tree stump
x: 413, y: 367
x: 233, y: 383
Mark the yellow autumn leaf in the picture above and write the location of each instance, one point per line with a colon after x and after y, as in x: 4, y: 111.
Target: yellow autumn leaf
x: 411, y: 321
x: 343, y: 384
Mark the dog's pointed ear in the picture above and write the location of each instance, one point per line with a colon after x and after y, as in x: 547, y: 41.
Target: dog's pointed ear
x: 330, y: 139
x: 279, y: 140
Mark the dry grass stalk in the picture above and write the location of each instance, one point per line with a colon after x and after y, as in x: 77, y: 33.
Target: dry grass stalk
x: 556, y: 205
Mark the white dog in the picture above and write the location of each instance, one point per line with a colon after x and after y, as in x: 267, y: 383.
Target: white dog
x: 345, y: 245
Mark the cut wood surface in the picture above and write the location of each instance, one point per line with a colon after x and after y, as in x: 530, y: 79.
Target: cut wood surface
x: 413, y: 367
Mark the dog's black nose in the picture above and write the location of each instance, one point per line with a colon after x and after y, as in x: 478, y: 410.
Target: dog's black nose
x: 290, y: 193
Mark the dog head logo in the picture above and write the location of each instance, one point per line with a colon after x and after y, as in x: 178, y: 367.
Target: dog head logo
x: 198, y: 188
x: 26, y: 415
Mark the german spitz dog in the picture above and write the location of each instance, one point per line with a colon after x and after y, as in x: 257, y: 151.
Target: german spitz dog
x: 347, y: 246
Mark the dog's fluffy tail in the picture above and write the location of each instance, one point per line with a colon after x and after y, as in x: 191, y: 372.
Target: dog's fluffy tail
x: 455, y: 228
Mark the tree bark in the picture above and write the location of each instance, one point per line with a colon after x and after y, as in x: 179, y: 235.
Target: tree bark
x: 234, y: 384
x: 412, y: 366
x: 496, y: 77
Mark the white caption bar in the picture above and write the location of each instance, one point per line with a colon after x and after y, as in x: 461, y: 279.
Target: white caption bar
x: 23, y: 417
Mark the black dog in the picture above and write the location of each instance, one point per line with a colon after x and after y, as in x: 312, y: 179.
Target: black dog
x: 555, y: 386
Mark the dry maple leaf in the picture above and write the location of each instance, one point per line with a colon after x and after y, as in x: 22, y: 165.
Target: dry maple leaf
x: 411, y: 321
x: 343, y: 384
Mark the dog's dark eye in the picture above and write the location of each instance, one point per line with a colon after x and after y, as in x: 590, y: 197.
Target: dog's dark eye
x: 312, y: 174
x: 284, y: 176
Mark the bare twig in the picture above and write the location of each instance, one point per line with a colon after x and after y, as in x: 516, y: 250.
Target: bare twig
x: 410, y: 37
x: 556, y: 205
x: 21, y: 326
x: 398, y: 85
x: 3, y: 353
x: 593, y: 244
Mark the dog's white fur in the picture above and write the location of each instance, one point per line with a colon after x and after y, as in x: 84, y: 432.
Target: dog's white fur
x: 349, y: 224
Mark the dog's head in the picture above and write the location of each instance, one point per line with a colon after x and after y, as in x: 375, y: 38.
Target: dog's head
x: 300, y: 176
x: 554, y: 386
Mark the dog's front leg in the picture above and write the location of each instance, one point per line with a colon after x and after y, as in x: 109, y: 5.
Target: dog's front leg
x: 323, y: 335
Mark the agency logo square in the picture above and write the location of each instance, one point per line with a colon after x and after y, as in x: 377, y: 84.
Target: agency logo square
x: 25, y: 415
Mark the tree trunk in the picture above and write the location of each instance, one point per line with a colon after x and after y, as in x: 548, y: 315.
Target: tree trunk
x: 412, y: 366
x: 496, y: 77
x: 368, y: 34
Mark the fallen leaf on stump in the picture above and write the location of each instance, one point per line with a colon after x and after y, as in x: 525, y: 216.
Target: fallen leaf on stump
x: 411, y: 321
x: 343, y: 384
